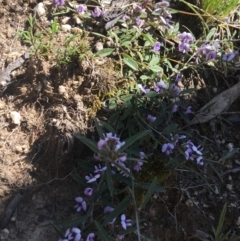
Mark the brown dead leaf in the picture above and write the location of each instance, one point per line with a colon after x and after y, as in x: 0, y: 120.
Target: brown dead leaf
x: 217, y: 105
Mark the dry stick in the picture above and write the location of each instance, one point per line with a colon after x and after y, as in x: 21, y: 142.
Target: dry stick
x: 10, y: 209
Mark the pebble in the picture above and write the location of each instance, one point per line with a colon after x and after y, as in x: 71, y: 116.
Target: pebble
x: 238, y: 221
x: 4, y: 234
x: 61, y: 89
x: 189, y: 203
x: 230, y: 178
x: 229, y: 187
x: 230, y: 146
x: 216, y: 190
x: 99, y: 46
x: 39, y: 9
x: 16, y: 117
x: 66, y: 27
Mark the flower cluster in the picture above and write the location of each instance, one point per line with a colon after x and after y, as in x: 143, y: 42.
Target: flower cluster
x: 58, y: 2
x: 191, y: 151
x: 186, y: 39
x: 209, y: 51
x: 230, y: 56
x: 165, y: 15
x: 81, y: 8
x: 160, y: 87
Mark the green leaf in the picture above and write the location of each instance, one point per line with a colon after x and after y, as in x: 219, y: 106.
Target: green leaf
x: 155, y: 60
x: 126, y: 43
x: 144, y: 77
x: 220, y: 222
x: 91, y: 144
x: 118, y: 210
x: 132, y: 139
x: 229, y: 154
x: 102, y: 233
x: 99, y: 128
x: 105, y: 52
x: 171, y: 128
x: 98, y: 34
x: 149, y: 193
x: 146, y: 185
x: 211, y: 33
x: 131, y: 63
x: 156, y: 68
x: 109, y: 178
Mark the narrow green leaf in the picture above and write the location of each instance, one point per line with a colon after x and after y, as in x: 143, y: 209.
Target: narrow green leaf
x: 109, y: 178
x: 211, y: 33
x: 80, y: 180
x: 149, y: 193
x: 220, y: 222
x: 99, y: 128
x: 131, y: 63
x: 171, y: 128
x: 156, y: 68
x: 91, y: 144
x: 105, y: 52
x: 229, y: 154
x: 57, y: 231
x: 132, y: 139
x: 102, y: 233
x: 146, y: 185
x: 98, y: 34
x: 107, y: 126
x: 155, y: 60
x: 118, y: 210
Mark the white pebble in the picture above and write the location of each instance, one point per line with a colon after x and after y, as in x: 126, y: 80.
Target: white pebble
x: 230, y: 146
x: 229, y: 187
x: 16, y: 117
x: 99, y: 46
x: 61, y: 89
x: 66, y: 27
x: 39, y: 9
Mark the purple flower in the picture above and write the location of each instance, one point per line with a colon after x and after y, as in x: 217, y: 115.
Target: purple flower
x: 90, y: 237
x: 188, y: 110
x: 157, y: 46
x: 73, y: 234
x: 138, y: 22
x: 120, y: 237
x: 168, y: 148
x: 211, y: 55
x: 186, y: 37
x: 81, y: 8
x: 199, y: 160
x: 109, y: 209
x: 142, y: 155
x: 81, y: 204
x: 163, y: 4
x: 137, y: 8
x: 90, y: 178
x: 58, y: 2
x: 175, y: 89
x: 125, y: 222
x: 88, y: 191
x: 175, y: 108
x: 99, y: 168
x: 151, y: 118
x: 178, y: 77
x: 143, y: 89
x: 230, y: 56
x: 96, y: 12
x: 160, y: 87
x: 138, y: 166
x: 183, y: 47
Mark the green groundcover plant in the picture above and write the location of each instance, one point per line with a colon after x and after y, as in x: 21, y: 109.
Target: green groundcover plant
x: 147, y: 115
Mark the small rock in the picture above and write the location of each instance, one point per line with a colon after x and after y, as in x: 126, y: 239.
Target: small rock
x: 230, y: 178
x: 238, y: 221
x: 230, y: 146
x: 216, y: 190
x: 99, y: 46
x: 229, y: 187
x: 39, y: 9
x: 66, y: 27
x: 13, y: 219
x: 195, y: 193
x: 16, y: 117
x: 65, y: 20
x: 4, y: 234
x: 61, y: 89
x: 189, y: 203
